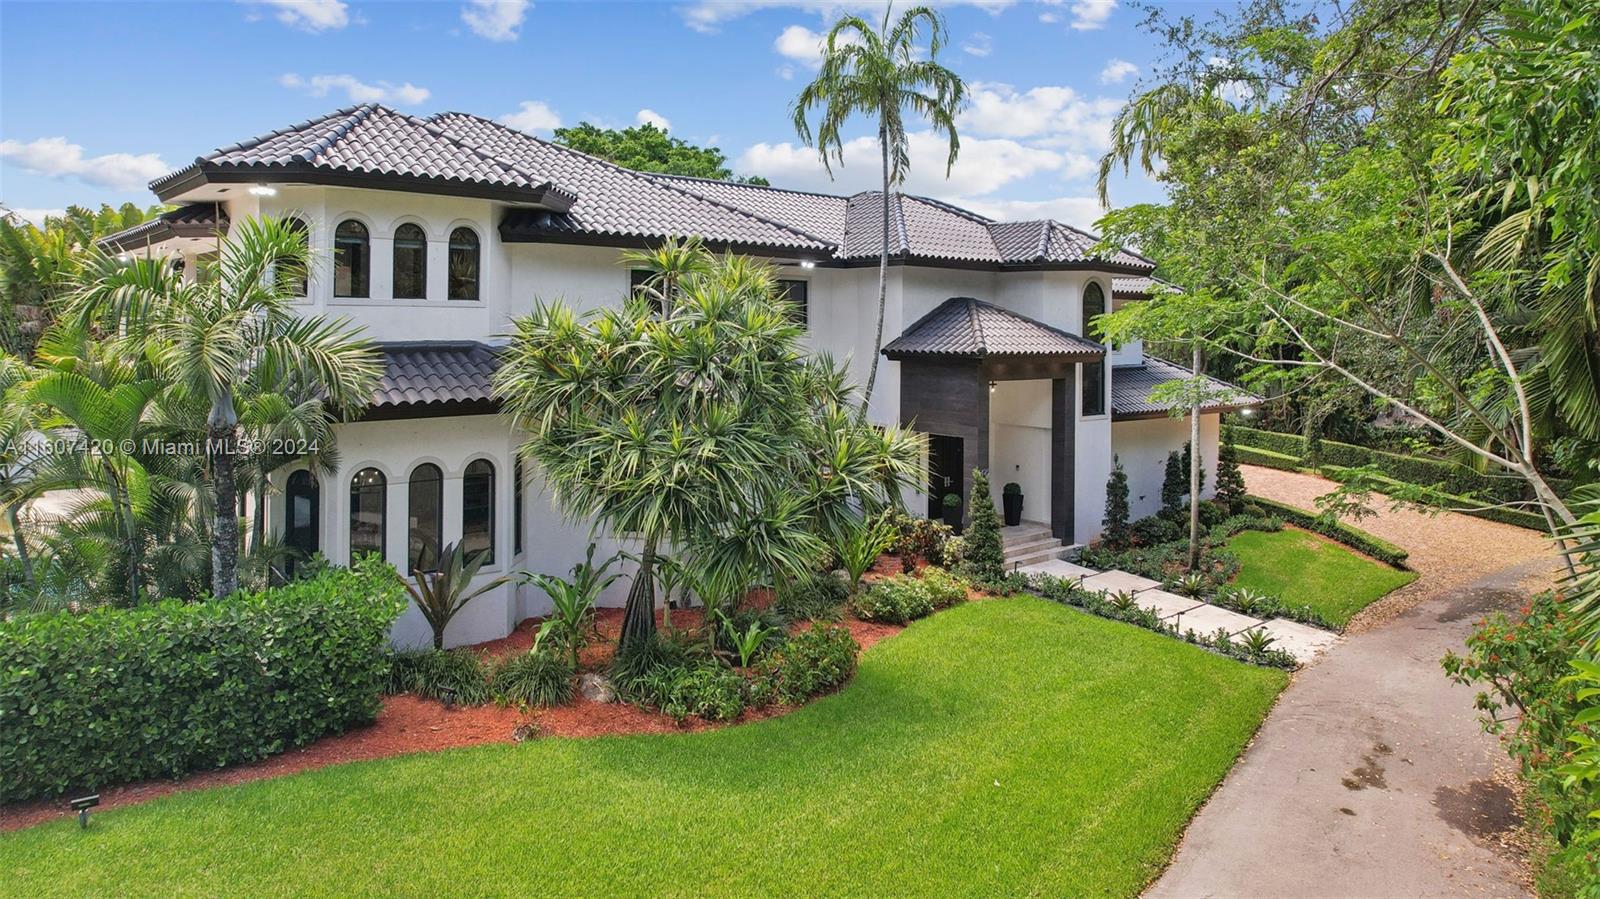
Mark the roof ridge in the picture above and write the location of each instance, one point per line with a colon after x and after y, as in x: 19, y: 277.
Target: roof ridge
x: 952, y: 208
x: 747, y: 186
x: 357, y: 116
x: 478, y: 150
x: 977, y: 324
x: 260, y: 139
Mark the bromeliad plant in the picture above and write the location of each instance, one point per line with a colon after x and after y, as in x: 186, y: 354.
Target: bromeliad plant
x: 439, y: 595
x: 863, y: 541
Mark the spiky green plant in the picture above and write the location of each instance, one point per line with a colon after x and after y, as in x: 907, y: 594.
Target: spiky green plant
x: 439, y: 595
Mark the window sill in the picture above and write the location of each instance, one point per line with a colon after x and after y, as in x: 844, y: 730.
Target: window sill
x: 408, y: 304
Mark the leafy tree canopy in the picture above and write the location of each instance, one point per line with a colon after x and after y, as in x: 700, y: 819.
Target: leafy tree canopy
x: 650, y: 149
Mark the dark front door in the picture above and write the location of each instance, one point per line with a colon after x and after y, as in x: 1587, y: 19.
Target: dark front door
x: 944, y: 472
x: 302, y: 503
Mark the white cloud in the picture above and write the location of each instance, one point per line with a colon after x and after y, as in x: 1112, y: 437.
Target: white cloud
x: 1080, y: 212
x: 311, y: 15
x: 983, y: 167
x: 1049, y: 18
x: 1057, y: 114
x: 533, y: 116
x: 979, y: 44
x: 1117, y: 71
x: 651, y: 117
x: 358, y: 91
x: 37, y: 216
x: 800, y: 44
x: 495, y: 20
x: 707, y: 16
x: 54, y: 157
x: 1088, y: 15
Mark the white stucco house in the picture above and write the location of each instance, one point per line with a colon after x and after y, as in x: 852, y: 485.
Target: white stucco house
x: 440, y: 230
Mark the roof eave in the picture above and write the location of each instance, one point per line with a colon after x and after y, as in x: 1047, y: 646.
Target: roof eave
x: 547, y: 195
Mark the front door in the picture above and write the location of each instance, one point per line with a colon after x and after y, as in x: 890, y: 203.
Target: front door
x: 944, y: 473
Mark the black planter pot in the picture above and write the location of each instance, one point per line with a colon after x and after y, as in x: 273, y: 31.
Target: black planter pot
x: 1013, y: 507
x: 952, y: 517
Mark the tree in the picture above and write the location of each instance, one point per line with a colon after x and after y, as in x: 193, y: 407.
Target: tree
x: 1172, y: 483
x: 881, y: 73
x: 215, y: 337
x: 702, y: 427
x: 1114, y: 526
x: 983, y: 553
x: 647, y: 148
x: 1230, y: 481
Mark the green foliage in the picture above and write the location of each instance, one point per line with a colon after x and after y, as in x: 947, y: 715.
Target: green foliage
x: 1174, y: 483
x: 1368, y: 480
x: 920, y: 538
x: 646, y: 148
x: 943, y: 588
x: 1349, y: 535
x: 812, y: 662
x: 572, y: 602
x: 983, y: 553
x: 634, y: 661
x: 1012, y: 488
x: 538, y: 677
x: 707, y: 690
x: 861, y: 543
x: 439, y: 595
x: 894, y: 600
x: 117, y: 695
x: 749, y: 633
x: 1114, y: 526
x: 814, y: 596
x: 460, y: 676
x: 1230, y: 480
x: 1251, y: 455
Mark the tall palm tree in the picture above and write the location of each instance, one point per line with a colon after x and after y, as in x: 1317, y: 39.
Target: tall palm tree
x: 213, y: 336
x: 877, y: 72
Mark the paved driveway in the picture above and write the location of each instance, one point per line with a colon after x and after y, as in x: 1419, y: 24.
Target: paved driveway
x: 1371, y: 776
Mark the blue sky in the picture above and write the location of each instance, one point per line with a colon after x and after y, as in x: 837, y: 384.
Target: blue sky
x: 98, y: 98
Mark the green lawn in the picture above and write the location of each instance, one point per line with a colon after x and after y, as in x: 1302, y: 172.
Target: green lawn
x: 1308, y: 569
x: 1002, y: 747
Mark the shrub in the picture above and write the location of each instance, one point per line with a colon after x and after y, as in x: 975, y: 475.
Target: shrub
x: 634, y: 662
x: 430, y: 672
x: 815, y: 596
x: 943, y: 588
x: 736, y: 638
x: 985, y: 558
x: 116, y: 695
x: 919, y: 538
x: 811, y: 663
x: 955, y: 552
x: 707, y: 690
x: 1174, y: 483
x: 1155, y: 530
x: 1252, y: 455
x: 1114, y: 526
x: 1350, y: 536
x: 896, y: 600
x: 533, y: 678
x: 1230, y: 481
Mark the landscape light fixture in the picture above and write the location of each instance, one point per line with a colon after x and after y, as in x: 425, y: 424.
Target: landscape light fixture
x: 992, y: 386
x: 448, y: 695
x: 263, y: 190
x: 82, y: 805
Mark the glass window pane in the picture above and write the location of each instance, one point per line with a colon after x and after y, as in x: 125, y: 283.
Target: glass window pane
x: 463, y: 264
x: 300, y: 526
x: 1094, y: 388
x: 410, y: 263
x: 796, y: 292
x: 425, y: 514
x: 518, y: 476
x: 1094, y: 304
x: 351, y: 260
x: 296, y: 285
x: 368, y: 505
x: 477, y: 510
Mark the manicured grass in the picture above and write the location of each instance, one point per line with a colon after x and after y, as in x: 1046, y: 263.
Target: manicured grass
x: 1308, y: 569
x: 1002, y: 747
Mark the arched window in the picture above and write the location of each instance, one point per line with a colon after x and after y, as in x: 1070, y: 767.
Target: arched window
x: 1094, y: 373
x: 463, y: 264
x: 518, y: 480
x: 410, y: 263
x: 351, y: 259
x: 425, y: 533
x: 297, y: 283
x: 369, y: 507
x: 477, y: 510
x: 302, y: 508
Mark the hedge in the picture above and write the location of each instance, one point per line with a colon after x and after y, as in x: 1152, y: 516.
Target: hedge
x: 1350, y: 536
x: 1461, y: 504
x: 1452, y: 477
x: 117, y: 695
x: 1251, y: 455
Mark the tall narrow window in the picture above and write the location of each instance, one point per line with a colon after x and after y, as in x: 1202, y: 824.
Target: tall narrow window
x: 477, y: 510
x: 639, y: 286
x: 463, y: 264
x: 517, y: 475
x: 301, y: 511
x: 797, y: 293
x: 369, y: 506
x: 352, y: 259
x: 410, y: 263
x: 425, y: 514
x: 1094, y: 373
x: 297, y: 283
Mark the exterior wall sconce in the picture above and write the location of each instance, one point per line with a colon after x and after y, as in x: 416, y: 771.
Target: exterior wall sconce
x: 263, y: 190
x: 808, y: 263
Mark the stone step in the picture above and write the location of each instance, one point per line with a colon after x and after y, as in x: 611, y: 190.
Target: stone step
x: 1035, y: 558
x: 1011, y: 537
x: 1022, y: 548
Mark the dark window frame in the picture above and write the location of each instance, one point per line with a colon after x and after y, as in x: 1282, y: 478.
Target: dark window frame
x: 358, y: 492
x: 518, y: 498
x: 414, y: 247
x: 1093, y: 306
x: 418, y: 556
x: 301, y: 483
x: 456, y: 255
x: 472, y: 480
x: 353, y: 252
x: 785, y: 289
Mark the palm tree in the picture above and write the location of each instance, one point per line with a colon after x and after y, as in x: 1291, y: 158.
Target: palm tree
x: 877, y: 72
x: 215, y: 336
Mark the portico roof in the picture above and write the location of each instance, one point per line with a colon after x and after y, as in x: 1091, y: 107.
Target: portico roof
x: 196, y: 221
x: 1131, y: 386
x: 968, y: 328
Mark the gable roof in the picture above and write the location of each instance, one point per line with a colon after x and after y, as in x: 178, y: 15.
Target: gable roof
x: 564, y: 195
x: 1131, y: 386
x: 964, y: 327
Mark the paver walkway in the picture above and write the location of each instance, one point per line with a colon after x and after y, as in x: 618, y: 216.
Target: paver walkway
x: 1371, y: 776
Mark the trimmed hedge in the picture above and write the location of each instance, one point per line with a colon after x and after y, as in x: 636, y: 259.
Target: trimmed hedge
x: 118, y: 695
x: 1250, y: 455
x: 1464, y: 506
x: 1350, y: 536
x: 1451, y: 477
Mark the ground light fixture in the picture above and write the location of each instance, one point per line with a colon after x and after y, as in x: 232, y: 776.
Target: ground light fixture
x: 448, y: 695
x: 263, y: 190
x: 82, y: 804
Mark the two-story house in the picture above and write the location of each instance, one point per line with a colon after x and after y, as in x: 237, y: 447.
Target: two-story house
x: 438, y: 231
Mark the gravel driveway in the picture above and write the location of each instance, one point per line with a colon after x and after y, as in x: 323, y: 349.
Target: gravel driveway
x: 1371, y: 776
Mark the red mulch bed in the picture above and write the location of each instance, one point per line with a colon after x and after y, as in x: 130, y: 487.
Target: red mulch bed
x: 408, y: 724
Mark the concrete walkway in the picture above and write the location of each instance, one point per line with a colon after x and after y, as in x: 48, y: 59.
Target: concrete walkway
x: 1302, y: 641
x: 1371, y: 776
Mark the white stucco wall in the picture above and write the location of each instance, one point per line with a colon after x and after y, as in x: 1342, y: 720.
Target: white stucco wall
x: 1019, y: 444
x: 1142, y: 447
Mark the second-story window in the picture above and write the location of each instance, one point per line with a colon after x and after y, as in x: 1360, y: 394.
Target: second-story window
x: 296, y: 283
x: 463, y: 264
x: 798, y: 294
x: 1094, y: 373
x: 351, y: 259
x: 410, y: 263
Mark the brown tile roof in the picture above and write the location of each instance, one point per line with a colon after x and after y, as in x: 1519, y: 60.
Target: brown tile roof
x: 431, y: 373
x: 969, y: 328
x: 1136, y: 288
x: 194, y: 220
x: 1131, y: 386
